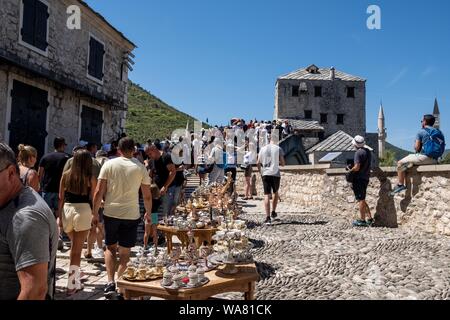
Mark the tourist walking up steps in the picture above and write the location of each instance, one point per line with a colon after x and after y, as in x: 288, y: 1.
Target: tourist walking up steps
x: 216, y: 158
x: 51, y: 169
x: 163, y: 174
x: 270, y: 158
x: 75, y: 213
x: 28, y: 237
x: 119, y: 183
x: 361, y: 177
x: 429, y: 147
x: 27, y: 160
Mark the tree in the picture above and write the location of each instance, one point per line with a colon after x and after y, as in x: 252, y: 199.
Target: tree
x: 389, y: 159
x: 446, y: 159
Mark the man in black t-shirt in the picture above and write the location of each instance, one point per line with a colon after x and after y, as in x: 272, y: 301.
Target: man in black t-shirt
x: 361, y: 169
x: 163, y: 174
x: 50, y: 171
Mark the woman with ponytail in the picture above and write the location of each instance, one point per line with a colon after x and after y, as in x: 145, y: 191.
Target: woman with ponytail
x: 27, y: 160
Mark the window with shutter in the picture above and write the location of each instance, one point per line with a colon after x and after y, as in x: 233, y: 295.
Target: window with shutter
x: 91, y: 125
x: 35, y: 24
x: 96, y: 57
x: 40, y: 26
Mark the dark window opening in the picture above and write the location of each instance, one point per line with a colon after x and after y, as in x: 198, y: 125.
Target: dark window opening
x: 34, y: 24
x: 323, y: 118
x: 91, y: 125
x: 96, y: 55
x: 350, y: 92
x: 317, y: 91
x: 295, y: 91
x: 340, y: 119
x: 321, y: 136
x: 308, y: 114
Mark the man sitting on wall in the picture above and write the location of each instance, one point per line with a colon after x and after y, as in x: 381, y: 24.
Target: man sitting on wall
x: 430, y: 146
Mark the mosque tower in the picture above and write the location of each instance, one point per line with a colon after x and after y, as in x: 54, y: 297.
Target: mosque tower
x: 437, y: 114
x: 382, y: 135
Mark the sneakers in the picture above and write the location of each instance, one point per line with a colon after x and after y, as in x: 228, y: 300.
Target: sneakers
x: 110, y: 290
x: 274, y: 215
x: 98, y: 253
x: 60, y: 244
x: 360, y: 223
x: 398, y: 189
x: 268, y: 221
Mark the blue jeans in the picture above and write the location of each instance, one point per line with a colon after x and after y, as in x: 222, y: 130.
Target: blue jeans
x: 170, y: 199
x: 52, y: 200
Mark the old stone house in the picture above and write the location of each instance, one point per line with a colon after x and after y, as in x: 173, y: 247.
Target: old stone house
x: 334, y: 99
x: 55, y: 81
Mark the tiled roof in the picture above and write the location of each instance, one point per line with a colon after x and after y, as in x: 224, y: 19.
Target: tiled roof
x: 338, y: 142
x: 84, y: 3
x: 322, y: 74
x: 304, y: 124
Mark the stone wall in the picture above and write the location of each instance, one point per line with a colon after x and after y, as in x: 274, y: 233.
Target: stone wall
x: 333, y: 101
x: 425, y: 206
x: 62, y: 72
x: 68, y: 49
x: 63, y: 111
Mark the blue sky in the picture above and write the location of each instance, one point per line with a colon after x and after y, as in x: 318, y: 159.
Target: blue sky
x: 220, y: 59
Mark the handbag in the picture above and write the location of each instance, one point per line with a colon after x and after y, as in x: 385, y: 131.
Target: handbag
x: 350, y: 176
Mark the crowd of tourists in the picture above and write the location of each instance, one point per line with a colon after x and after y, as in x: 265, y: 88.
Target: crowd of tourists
x: 94, y: 195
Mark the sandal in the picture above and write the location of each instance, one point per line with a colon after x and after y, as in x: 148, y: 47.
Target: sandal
x: 88, y: 256
x: 71, y: 292
x: 83, y: 277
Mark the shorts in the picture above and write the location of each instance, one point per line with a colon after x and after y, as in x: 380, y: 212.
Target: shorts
x: 76, y: 217
x: 271, y: 184
x: 154, y: 219
x: 360, y: 189
x: 52, y: 200
x: 248, y: 171
x: 418, y: 160
x: 120, y: 231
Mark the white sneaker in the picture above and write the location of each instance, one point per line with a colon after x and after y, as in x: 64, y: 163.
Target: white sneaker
x: 98, y: 253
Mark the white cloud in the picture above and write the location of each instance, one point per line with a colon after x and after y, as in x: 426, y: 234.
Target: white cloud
x: 428, y: 71
x: 398, y: 77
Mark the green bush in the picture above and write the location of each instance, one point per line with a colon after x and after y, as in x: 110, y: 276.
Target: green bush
x: 389, y: 159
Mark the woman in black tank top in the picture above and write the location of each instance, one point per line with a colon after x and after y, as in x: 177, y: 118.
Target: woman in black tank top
x: 75, y: 211
x: 27, y: 160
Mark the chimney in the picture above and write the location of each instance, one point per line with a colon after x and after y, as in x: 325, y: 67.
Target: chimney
x: 333, y: 74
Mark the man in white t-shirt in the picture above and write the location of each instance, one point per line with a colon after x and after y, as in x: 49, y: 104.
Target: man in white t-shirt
x: 270, y: 158
x: 118, y: 184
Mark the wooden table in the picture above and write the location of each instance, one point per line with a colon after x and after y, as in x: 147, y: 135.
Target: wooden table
x: 200, y: 235
x: 244, y: 282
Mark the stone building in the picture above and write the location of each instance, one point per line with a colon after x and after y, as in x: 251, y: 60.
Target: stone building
x: 55, y: 81
x: 336, y: 100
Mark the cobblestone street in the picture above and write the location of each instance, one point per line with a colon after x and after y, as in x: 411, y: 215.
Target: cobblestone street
x: 317, y: 256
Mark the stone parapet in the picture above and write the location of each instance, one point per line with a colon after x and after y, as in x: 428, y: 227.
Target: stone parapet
x: 425, y: 206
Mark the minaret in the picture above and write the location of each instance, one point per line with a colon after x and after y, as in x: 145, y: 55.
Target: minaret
x: 382, y: 135
x: 437, y: 114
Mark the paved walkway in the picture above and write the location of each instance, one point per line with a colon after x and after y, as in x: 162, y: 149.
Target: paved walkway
x: 315, y: 256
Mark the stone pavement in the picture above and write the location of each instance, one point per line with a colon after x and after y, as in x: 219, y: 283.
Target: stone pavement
x: 306, y: 255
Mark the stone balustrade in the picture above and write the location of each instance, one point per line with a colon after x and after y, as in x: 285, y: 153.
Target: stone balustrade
x: 425, y: 206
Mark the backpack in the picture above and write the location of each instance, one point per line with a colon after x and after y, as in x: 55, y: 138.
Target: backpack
x: 435, y: 146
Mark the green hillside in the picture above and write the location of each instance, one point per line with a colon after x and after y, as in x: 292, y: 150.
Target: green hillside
x: 399, y: 153
x: 150, y: 118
